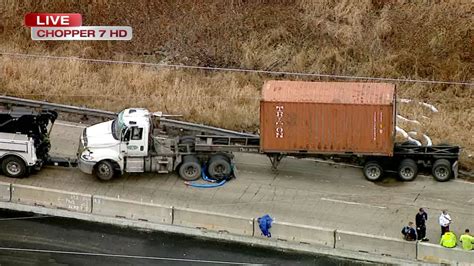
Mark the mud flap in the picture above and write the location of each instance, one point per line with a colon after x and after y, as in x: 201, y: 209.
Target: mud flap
x: 234, y: 168
x: 455, y: 169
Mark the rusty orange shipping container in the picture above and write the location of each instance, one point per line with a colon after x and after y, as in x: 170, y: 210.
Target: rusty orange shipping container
x: 327, y: 117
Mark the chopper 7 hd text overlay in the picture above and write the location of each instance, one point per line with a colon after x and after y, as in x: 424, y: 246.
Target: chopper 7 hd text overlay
x: 68, y: 27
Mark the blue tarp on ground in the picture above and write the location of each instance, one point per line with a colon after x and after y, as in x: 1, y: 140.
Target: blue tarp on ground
x: 265, y: 223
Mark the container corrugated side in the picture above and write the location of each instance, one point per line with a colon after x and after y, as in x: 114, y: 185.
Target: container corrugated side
x: 319, y: 127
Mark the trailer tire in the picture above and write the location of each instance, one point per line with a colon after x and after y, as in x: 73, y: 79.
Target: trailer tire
x: 442, y: 170
x: 219, y: 166
x: 373, y: 171
x: 190, y: 169
x: 104, y: 170
x: 13, y: 166
x: 408, y: 170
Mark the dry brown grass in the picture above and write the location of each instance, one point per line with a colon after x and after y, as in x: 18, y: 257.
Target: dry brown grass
x: 400, y: 39
x: 223, y: 99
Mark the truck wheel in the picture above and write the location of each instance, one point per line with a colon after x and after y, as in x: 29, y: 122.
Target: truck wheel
x: 190, y: 169
x: 373, y: 171
x: 441, y: 170
x: 219, y: 166
x: 104, y: 170
x: 14, y: 167
x: 407, y: 170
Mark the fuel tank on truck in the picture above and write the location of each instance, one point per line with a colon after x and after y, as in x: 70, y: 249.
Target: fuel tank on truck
x: 328, y: 117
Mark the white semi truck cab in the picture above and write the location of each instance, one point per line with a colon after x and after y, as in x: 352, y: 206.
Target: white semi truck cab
x: 134, y: 143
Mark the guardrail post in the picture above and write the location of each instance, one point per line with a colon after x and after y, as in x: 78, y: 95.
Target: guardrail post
x: 253, y: 226
x: 172, y: 214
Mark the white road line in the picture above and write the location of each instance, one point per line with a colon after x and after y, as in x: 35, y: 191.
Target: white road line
x: 25, y: 218
x: 354, y: 203
x: 122, y: 256
x: 68, y: 125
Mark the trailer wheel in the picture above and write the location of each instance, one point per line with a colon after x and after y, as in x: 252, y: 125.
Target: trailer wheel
x: 373, y: 171
x: 408, y: 170
x: 441, y: 170
x: 13, y: 166
x: 219, y: 166
x: 190, y: 169
x: 104, y: 170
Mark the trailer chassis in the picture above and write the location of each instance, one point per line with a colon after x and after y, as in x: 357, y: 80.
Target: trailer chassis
x: 406, y: 159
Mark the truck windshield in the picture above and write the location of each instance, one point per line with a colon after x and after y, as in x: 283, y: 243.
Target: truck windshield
x: 118, y: 126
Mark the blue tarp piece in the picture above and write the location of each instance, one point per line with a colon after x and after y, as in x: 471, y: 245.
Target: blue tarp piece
x: 265, y: 223
x: 214, y: 182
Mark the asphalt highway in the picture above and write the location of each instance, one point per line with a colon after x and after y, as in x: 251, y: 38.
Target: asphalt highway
x: 29, y: 239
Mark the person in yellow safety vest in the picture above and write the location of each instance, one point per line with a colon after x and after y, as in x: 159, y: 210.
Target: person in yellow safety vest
x: 448, y: 240
x: 467, y: 240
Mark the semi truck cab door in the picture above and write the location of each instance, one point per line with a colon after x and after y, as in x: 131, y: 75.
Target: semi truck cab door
x: 136, y: 146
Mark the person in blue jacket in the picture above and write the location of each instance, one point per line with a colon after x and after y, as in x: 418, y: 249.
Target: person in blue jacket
x: 409, y: 232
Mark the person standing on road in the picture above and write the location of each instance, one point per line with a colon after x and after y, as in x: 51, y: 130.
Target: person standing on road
x: 444, y: 221
x: 420, y: 220
x: 466, y: 240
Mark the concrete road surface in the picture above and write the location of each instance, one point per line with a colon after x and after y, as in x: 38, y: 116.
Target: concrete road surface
x: 302, y: 192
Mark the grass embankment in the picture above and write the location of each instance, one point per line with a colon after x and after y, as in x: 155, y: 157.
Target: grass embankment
x: 422, y: 40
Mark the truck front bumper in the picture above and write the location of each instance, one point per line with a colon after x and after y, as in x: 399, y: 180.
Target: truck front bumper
x: 86, y: 166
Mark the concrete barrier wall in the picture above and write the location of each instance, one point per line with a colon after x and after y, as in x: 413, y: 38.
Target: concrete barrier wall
x: 298, y: 233
x: 213, y: 221
x: 304, y: 234
x: 438, y: 254
x: 51, y: 198
x: 5, y: 194
x: 376, y: 244
x: 134, y: 210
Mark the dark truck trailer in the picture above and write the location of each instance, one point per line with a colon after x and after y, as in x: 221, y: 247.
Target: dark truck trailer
x: 344, y: 120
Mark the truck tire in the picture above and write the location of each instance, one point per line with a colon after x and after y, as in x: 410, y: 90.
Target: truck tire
x: 13, y: 166
x: 219, y: 166
x: 442, y: 170
x: 104, y: 170
x: 190, y: 169
x: 373, y: 171
x: 407, y: 170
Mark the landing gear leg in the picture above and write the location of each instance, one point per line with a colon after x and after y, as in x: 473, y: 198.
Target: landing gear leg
x: 275, y: 159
